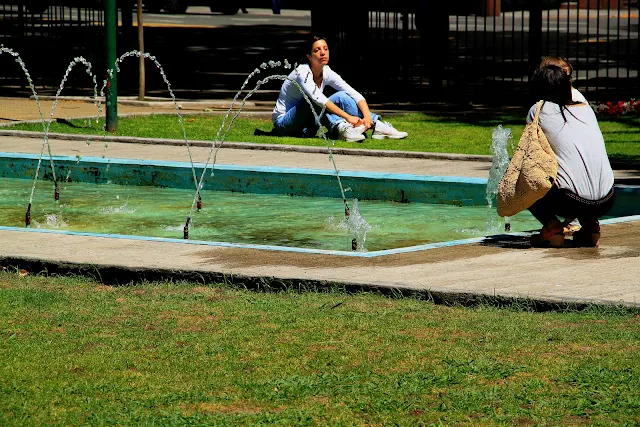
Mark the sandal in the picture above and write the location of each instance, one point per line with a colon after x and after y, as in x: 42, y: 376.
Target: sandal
x: 551, y: 235
x: 570, y: 228
x: 588, y: 236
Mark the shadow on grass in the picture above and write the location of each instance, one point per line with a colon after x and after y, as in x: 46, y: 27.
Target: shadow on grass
x: 71, y: 124
x: 476, y: 118
x: 513, y: 116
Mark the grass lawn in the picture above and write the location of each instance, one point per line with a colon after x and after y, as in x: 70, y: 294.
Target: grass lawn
x: 465, y: 134
x: 75, y: 352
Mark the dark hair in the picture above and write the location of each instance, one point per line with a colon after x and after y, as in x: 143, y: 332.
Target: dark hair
x: 553, y: 84
x: 308, y: 45
x: 558, y: 61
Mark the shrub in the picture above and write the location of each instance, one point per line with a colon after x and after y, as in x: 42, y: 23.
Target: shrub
x: 618, y: 109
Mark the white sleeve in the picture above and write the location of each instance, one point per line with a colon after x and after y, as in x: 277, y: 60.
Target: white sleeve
x: 334, y: 80
x: 532, y: 113
x: 577, y: 96
x: 304, y: 77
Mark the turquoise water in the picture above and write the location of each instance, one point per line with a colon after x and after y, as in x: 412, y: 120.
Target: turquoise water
x: 242, y: 218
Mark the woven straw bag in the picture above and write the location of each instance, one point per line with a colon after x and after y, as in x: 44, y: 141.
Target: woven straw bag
x: 531, y: 171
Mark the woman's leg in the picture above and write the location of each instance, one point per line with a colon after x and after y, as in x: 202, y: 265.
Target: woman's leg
x: 298, y: 121
x: 589, y: 234
x: 544, y: 210
x: 346, y: 104
x: 564, y: 203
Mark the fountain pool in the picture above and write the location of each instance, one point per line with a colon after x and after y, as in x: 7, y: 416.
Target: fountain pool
x: 284, y: 208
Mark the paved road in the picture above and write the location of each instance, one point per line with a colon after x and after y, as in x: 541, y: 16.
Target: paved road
x: 201, y: 16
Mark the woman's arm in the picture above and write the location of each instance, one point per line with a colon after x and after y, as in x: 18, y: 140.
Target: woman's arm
x: 305, y: 80
x: 334, y: 80
x: 367, y: 121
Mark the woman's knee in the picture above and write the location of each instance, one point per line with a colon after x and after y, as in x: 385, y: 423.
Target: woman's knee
x: 339, y: 94
x: 342, y: 96
x: 345, y: 102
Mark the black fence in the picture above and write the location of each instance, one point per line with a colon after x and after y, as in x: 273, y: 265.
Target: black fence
x: 483, y: 51
x: 413, y: 51
x: 199, y: 61
x: 47, y: 40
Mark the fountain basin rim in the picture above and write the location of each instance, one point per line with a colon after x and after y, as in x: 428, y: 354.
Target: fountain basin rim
x: 372, y: 254
x: 267, y: 169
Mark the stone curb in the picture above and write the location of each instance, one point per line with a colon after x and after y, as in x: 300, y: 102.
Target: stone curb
x: 252, y: 146
x: 118, y: 275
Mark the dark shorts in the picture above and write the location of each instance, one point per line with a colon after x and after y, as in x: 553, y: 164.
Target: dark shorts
x: 569, y: 205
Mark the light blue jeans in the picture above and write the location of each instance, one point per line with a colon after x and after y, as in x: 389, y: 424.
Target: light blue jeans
x: 299, y: 120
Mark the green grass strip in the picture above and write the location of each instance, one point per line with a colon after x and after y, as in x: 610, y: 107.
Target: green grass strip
x: 75, y: 352
x: 460, y: 133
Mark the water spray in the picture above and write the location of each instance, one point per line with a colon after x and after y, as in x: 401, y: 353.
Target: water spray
x: 347, y: 213
x: 27, y: 217
x: 185, y: 230
x: 223, y: 130
x: 139, y: 54
x: 501, y: 137
x: 46, y: 124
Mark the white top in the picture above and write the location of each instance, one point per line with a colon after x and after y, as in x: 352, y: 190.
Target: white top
x: 583, y: 165
x: 290, y: 94
x: 577, y: 96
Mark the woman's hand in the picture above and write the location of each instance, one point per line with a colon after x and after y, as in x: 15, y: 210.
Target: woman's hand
x: 334, y: 109
x: 354, y: 121
x: 367, y: 122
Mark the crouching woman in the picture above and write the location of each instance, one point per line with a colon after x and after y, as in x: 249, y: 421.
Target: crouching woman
x: 584, y: 186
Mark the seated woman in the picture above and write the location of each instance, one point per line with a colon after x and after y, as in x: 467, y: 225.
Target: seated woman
x: 347, y: 113
x: 583, y: 188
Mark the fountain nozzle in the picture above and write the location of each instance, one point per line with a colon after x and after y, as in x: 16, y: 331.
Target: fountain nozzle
x: 354, y: 245
x: 56, y: 193
x: 199, y: 203
x: 186, y: 229
x: 27, y: 216
x: 347, y: 212
x: 507, y: 226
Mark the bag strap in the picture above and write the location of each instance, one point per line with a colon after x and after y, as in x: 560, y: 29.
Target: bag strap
x: 538, y: 108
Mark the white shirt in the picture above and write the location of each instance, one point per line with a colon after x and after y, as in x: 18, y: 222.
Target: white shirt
x: 290, y: 94
x: 583, y: 165
x: 577, y: 96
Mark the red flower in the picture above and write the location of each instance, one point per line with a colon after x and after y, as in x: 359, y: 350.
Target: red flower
x: 618, y: 108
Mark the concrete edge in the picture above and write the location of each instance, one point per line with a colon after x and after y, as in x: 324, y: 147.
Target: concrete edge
x: 249, y: 146
x: 116, y: 275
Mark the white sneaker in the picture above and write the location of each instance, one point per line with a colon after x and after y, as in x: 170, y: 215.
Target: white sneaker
x: 350, y: 133
x: 384, y: 130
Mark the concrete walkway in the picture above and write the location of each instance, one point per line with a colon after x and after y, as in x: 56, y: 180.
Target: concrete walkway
x: 501, y: 267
